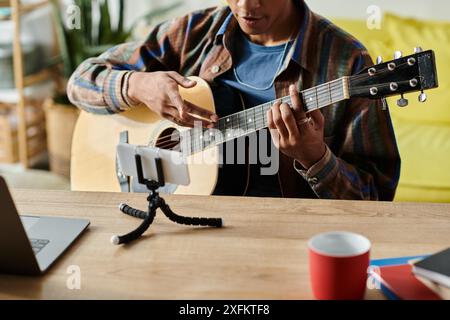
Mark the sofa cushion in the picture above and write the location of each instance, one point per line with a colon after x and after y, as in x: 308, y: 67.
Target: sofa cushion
x: 425, y: 151
x: 422, y: 130
x: 407, y: 34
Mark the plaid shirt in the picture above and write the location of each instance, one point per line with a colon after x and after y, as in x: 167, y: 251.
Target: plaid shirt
x: 362, y: 159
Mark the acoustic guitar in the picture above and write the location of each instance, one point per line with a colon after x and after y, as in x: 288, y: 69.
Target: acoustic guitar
x: 93, y: 162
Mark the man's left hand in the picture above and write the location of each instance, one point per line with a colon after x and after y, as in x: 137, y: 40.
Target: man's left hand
x: 295, y: 133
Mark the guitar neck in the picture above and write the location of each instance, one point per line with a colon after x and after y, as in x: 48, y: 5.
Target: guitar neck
x: 254, y: 119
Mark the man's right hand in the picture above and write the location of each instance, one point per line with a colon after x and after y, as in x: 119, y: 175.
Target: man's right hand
x: 159, y: 92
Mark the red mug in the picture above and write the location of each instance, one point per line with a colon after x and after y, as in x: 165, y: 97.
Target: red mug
x: 338, y: 263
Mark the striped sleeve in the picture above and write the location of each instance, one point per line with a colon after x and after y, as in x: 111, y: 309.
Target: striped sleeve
x: 99, y: 85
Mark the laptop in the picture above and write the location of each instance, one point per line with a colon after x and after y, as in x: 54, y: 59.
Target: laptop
x: 29, y: 245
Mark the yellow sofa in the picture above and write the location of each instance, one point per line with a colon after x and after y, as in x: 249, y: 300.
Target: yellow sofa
x: 422, y: 130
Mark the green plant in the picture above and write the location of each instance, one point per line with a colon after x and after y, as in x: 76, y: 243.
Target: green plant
x: 95, y: 36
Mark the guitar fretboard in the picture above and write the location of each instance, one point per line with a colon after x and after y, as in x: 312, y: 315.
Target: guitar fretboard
x: 254, y: 119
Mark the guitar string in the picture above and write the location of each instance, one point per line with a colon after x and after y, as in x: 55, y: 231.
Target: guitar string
x: 307, y: 93
x: 259, y: 123
x: 379, y: 72
x: 259, y: 117
x: 312, y: 91
x: 201, y: 146
x: 321, y: 96
x: 362, y: 89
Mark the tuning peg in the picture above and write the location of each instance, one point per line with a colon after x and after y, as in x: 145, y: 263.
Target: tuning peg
x: 402, y: 102
x: 423, y: 97
x: 418, y: 50
x: 379, y: 60
x: 384, y: 104
x: 398, y: 54
x: 411, y: 61
x: 413, y: 82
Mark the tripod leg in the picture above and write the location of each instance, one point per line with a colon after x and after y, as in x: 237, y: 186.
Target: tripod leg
x: 135, y: 234
x: 132, y: 211
x: 193, y: 221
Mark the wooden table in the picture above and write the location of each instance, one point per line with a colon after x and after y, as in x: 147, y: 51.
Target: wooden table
x: 260, y: 254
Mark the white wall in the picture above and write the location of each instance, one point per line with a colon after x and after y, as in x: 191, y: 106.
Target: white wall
x: 431, y: 9
x: 137, y: 8
x: 38, y: 28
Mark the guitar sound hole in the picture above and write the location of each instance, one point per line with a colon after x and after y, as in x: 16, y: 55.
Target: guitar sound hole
x: 169, y: 139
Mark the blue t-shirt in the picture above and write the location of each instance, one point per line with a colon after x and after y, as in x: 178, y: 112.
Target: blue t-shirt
x: 253, y: 73
x: 255, y: 65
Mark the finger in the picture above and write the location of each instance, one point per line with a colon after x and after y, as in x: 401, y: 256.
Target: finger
x: 193, y: 121
x: 184, y: 106
x: 199, y: 111
x: 318, y: 119
x: 183, y: 109
x: 181, y: 106
x: 275, y: 137
x: 177, y: 101
x: 187, y: 120
x: 289, y: 120
x: 272, y: 128
x: 278, y: 120
x: 176, y: 120
x: 182, y: 81
x: 270, y: 123
x: 173, y: 115
x: 297, y: 103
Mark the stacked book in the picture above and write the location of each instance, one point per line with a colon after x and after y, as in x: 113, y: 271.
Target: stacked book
x: 434, y: 272
x: 414, y: 278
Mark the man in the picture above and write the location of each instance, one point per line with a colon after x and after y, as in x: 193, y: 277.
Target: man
x: 266, y: 50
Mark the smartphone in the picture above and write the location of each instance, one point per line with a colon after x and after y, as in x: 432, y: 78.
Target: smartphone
x: 174, y: 165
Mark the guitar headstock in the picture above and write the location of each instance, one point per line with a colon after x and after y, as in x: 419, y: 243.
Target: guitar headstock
x: 413, y: 73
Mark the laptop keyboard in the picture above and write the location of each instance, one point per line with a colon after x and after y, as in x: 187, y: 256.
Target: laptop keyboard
x: 38, y: 244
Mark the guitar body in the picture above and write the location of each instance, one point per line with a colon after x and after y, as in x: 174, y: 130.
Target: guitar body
x: 93, y: 162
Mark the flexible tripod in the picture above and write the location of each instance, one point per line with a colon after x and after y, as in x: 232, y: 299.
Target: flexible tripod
x: 155, y: 202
